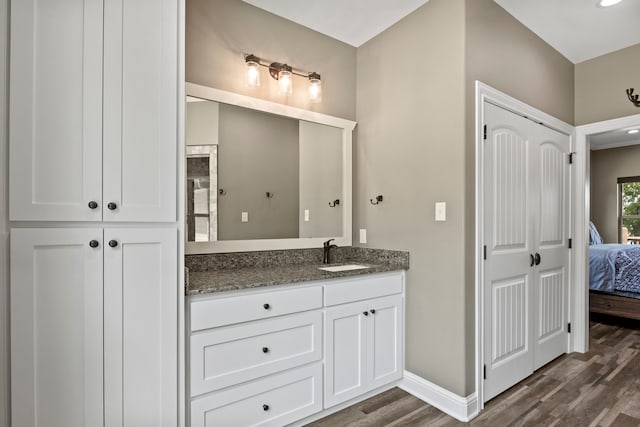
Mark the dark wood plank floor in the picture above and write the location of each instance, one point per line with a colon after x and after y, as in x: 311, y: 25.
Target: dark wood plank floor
x: 598, y: 388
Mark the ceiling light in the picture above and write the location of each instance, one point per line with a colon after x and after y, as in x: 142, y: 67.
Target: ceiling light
x: 608, y: 3
x: 632, y: 131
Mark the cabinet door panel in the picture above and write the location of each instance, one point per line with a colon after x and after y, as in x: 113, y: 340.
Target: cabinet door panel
x: 386, y: 340
x: 56, y: 328
x: 56, y: 110
x: 346, y: 328
x: 140, y: 117
x: 141, y: 327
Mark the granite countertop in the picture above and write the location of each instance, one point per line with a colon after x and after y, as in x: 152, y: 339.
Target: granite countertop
x: 225, y: 272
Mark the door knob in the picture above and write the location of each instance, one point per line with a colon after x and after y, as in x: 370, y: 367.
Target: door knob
x: 265, y: 407
x: 93, y: 204
x: 538, y: 258
x: 265, y: 349
x: 94, y: 243
x: 112, y: 206
x: 372, y: 311
x: 266, y: 306
x: 366, y: 313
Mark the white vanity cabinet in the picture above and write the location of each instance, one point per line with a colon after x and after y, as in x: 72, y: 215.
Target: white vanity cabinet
x: 363, y: 336
x: 93, y: 110
x: 256, y: 357
x: 94, y: 327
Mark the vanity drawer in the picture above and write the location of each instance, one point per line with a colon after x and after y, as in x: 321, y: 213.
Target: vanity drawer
x: 214, y: 312
x: 364, y: 287
x: 230, y: 355
x: 272, y: 401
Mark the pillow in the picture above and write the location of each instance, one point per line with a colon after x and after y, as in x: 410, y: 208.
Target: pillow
x: 594, y: 236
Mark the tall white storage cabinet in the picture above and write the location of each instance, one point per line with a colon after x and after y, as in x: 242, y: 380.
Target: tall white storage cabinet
x: 94, y: 147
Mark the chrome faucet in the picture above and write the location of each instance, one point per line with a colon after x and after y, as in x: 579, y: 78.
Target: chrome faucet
x: 326, y: 249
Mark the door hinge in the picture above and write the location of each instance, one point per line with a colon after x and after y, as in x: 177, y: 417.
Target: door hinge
x: 485, y: 132
x: 484, y: 372
x: 571, y: 158
x: 484, y: 250
x: 569, y: 327
x: 570, y: 243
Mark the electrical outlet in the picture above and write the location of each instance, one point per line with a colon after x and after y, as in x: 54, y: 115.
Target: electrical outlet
x: 363, y: 235
x: 441, y: 211
x: 245, y: 216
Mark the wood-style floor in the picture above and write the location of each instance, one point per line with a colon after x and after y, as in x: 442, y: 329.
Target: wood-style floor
x: 598, y: 388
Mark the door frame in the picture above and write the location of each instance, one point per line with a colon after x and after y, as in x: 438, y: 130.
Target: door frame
x: 484, y: 92
x: 581, y: 226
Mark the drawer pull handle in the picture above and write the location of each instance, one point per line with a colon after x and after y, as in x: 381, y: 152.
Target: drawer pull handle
x: 373, y: 311
x: 94, y: 243
x: 265, y: 349
x: 113, y: 243
x: 112, y: 206
x: 366, y: 313
x: 265, y: 407
x: 93, y: 204
x: 266, y: 306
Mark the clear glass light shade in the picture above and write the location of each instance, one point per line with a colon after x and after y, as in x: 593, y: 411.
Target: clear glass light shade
x: 315, y: 89
x: 285, y: 82
x: 253, y: 73
x: 607, y: 3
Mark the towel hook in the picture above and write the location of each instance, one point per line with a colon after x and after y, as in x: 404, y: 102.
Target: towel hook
x: 269, y: 195
x: 335, y: 203
x: 378, y: 199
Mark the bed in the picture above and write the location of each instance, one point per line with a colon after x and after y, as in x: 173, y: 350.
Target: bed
x: 614, y: 278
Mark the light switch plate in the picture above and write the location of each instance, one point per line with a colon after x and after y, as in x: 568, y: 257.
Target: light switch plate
x: 363, y: 235
x: 441, y: 211
x: 306, y: 215
x: 245, y: 216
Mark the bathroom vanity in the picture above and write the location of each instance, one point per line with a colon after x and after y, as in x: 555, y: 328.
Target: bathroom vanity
x: 276, y: 342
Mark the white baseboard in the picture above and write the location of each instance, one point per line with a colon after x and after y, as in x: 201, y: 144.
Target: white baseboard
x: 461, y: 408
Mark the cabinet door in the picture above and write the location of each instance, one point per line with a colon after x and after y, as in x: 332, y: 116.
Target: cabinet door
x: 385, y: 340
x: 56, y: 328
x: 140, y: 110
x: 55, y: 117
x: 345, y: 340
x: 141, y: 318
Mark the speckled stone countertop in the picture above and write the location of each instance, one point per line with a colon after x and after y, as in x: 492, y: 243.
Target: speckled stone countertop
x: 245, y: 270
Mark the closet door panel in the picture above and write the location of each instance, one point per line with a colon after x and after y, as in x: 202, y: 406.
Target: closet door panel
x: 140, y: 149
x: 56, y: 110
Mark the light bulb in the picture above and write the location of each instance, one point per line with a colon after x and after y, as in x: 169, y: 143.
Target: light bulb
x: 607, y: 3
x: 285, y: 80
x: 315, y: 88
x: 632, y: 131
x: 253, y: 70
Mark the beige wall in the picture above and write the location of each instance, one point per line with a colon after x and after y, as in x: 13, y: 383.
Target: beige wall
x: 606, y: 167
x: 410, y: 149
x: 504, y: 54
x: 601, y: 83
x: 219, y: 32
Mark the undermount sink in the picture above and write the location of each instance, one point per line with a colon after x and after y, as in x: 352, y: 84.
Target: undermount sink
x: 347, y: 267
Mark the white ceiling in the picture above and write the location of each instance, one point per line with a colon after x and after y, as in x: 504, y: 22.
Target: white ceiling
x: 351, y: 21
x: 578, y: 29
x: 614, y: 139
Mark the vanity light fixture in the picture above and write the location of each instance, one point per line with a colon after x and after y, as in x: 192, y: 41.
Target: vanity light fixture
x: 283, y: 73
x: 608, y: 3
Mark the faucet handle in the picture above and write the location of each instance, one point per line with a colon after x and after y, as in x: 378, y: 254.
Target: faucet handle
x: 328, y: 242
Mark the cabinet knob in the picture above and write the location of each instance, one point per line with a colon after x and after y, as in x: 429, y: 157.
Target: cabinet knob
x: 113, y: 243
x: 112, y: 206
x: 93, y: 204
x: 265, y: 349
x: 266, y: 306
x: 366, y: 313
x: 94, y: 243
x: 372, y: 311
x: 265, y: 407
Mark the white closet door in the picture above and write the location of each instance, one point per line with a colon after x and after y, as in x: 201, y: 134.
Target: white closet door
x: 525, y: 231
x: 140, y: 110
x: 552, y: 228
x: 509, y: 244
x: 56, y: 328
x: 141, y: 318
x: 55, y: 117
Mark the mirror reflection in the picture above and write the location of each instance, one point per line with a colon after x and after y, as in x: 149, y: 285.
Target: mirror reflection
x: 256, y: 175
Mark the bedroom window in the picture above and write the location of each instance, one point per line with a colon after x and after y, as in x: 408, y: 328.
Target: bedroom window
x: 629, y: 210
